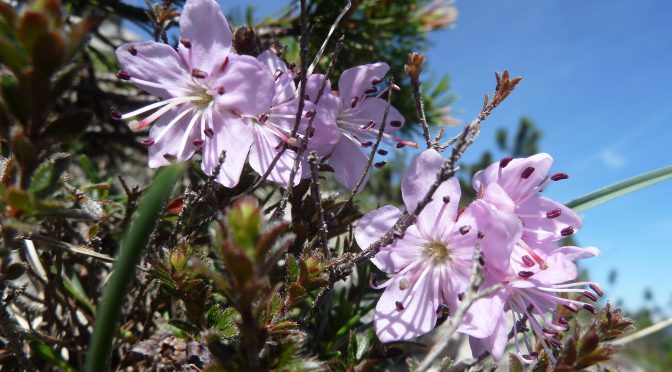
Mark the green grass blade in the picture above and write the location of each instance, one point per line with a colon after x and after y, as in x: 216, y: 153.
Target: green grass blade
x: 619, y: 189
x: 123, y: 271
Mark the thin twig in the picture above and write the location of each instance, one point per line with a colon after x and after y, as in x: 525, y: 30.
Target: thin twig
x: 372, y: 154
x: 303, y: 144
x: 413, y: 70
x: 315, y: 190
x: 472, y: 295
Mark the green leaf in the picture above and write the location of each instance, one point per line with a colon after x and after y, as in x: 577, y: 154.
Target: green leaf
x: 184, y: 326
x: 123, y: 271
x: 45, y: 352
x: 618, y: 189
x: 224, y: 321
x: 46, y: 176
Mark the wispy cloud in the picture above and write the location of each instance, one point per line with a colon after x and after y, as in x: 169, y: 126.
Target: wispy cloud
x: 612, y: 159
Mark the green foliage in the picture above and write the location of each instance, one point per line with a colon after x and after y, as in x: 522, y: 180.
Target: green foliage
x: 620, y: 189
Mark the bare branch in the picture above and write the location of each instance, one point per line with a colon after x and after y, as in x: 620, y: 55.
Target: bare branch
x: 315, y: 191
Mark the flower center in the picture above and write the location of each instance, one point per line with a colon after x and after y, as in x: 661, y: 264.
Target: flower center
x: 437, y: 250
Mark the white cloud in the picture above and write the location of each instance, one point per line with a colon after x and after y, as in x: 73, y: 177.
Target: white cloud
x: 612, y: 159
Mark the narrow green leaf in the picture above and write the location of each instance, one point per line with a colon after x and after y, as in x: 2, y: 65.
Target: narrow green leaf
x: 618, y: 189
x: 123, y: 271
x: 45, y: 352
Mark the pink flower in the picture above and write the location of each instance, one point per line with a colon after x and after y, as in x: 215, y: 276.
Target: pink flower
x: 357, y: 110
x: 537, y: 269
x: 513, y: 186
x: 207, y: 93
x: 532, y: 291
x: 431, y: 264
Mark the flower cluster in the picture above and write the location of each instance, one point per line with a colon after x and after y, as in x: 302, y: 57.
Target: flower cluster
x: 518, y: 232
x: 214, y: 101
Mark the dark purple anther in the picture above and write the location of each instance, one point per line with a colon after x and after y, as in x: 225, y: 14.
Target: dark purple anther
x: 550, y: 331
x: 185, y: 42
x: 382, y: 152
x: 527, y: 173
x: 224, y: 64
x: 309, y: 114
x: 597, y: 289
x: 395, y: 123
x: 528, y: 261
x: 208, y: 132
x: 559, y: 176
x: 366, y: 143
x: 567, y: 231
x: 446, y: 199
x: 198, y: 142
x: 147, y: 142
x: 571, y: 307
x: 465, y: 229
x: 124, y: 75
x: 221, y: 90
x: 590, y: 308
x: 525, y: 274
x: 380, y: 164
x: 114, y: 114
x: 199, y: 74
x: 400, y: 145
x: 354, y: 101
x: 399, y: 305
x: 371, y: 91
x: 169, y: 157
x: 132, y: 50
x: 554, y: 213
x: 376, y: 80
x: 395, y: 88
x: 505, y: 161
x: 480, y: 235
x: 590, y: 295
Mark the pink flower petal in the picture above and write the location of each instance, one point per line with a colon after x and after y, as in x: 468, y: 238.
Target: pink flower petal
x: 248, y: 86
x: 541, y: 224
x: 495, y: 343
x: 373, y: 109
x: 262, y: 153
x: 234, y: 136
x: 170, y: 141
x: 440, y: 213
x: 349, y: 162
x: 420, y: 301
x: 512, y: 176
x: 284, y: 80
x: 354, y: 81
x: 400, y: 254
x: 500, y: 230
x: 484, y: 315
x: 157, y: 63
x: 205, y: 27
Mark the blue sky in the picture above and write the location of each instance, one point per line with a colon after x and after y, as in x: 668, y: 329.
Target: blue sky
x: 596, y: 80
x: 596, y: 77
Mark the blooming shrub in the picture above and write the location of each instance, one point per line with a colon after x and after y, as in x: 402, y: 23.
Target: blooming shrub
x: 219, y: 275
